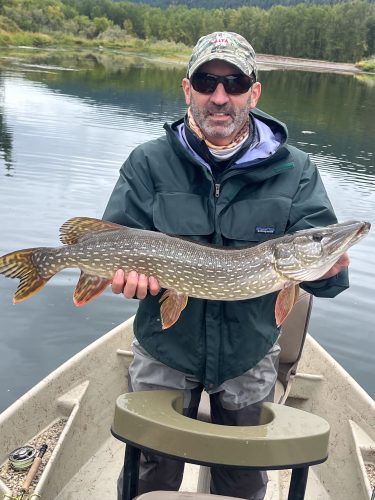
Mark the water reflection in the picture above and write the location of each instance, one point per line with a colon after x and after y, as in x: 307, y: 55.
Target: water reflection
x: 327, y: 106
x: 66, y: 126
x: 338, y: 109
x: 5, y: 135
x: 141, y: 87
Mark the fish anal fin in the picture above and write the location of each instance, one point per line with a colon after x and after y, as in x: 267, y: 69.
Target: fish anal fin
x: 172, y: 304
x: 285, y: 301
x: 88, y: 288
x: 74, y: 229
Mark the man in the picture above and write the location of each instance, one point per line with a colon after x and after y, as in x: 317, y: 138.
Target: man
x: 223, y: 175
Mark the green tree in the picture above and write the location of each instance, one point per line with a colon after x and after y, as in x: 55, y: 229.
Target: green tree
x: 343, y: 31
x: 346, y: 31
x: 282, y: 37
x: 313, y: 28
x: 101, y: 24
x: 252, y: 23
x: 213, y: 20
x: 128, y: 27
x: 370, y: 35
x: 154, y: 24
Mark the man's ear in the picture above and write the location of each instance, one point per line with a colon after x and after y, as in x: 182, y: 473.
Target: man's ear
x: 186, y: 87
x: 256, y: 90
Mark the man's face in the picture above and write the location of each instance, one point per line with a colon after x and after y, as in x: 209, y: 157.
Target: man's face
x: 219, y: 115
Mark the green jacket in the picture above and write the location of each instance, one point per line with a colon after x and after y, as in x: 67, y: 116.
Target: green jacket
x: 162, y: 187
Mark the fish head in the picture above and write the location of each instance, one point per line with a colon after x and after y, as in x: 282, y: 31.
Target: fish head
x: 308, y: 254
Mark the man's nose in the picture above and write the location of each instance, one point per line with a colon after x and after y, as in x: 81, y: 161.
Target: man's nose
x: 219, y: 96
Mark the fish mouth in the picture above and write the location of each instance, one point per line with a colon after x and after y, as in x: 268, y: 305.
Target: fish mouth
x: 366, y: 226
x: 343, y: 235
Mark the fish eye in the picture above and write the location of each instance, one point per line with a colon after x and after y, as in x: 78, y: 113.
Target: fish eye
x: 317, y: 237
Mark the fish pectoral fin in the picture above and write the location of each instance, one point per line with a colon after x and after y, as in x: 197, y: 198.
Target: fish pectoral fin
x: 285, y: 301
x: 172, y: 304
x: 88, y: 288
x: 74, y: 229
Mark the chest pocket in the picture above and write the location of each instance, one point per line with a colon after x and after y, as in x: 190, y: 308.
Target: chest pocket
x: 256, y: 220
x: 185, y: 214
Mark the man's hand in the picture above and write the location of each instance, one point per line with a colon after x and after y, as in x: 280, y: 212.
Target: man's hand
x: 341, y: 264
x: 134, y: 284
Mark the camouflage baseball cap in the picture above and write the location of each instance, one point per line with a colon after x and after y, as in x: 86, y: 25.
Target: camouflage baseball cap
x: 224, y: 45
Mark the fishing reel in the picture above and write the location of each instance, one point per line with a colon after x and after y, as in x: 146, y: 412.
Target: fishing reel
x: 21, y: 458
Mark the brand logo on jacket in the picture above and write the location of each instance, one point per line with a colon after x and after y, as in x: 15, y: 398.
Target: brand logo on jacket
x: 265, y: 229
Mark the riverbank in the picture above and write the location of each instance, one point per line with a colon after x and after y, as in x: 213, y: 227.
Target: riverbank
x: 168, y: 53
x: 269, y: 62
x: 277, y: 62
x: 116, y: 42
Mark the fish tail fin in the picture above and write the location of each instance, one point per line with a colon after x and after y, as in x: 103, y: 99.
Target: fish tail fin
x: 20, y: 264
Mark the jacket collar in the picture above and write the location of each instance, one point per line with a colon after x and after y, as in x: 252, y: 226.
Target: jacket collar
x: 271, y: 138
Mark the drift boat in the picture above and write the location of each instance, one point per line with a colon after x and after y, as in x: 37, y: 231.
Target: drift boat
x: 72, y: 410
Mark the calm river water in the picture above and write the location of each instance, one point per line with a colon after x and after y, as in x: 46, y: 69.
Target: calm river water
x: 67, y: 122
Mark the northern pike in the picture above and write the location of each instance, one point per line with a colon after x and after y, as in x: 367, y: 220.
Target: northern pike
x: 183, y: 267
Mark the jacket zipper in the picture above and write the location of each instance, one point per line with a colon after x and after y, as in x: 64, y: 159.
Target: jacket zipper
x: 217, y: 190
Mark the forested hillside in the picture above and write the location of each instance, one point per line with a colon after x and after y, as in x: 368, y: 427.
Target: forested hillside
x: 234, y: 4
x: 339, y: 32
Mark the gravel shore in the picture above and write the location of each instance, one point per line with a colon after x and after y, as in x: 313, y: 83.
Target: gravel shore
x: 276, y: 62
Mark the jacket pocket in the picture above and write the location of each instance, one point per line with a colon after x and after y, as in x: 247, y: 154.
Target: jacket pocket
x: 185, y: 214
x: 256, y: 220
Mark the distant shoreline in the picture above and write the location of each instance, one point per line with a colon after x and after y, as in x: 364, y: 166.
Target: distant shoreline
x: 270, y: 62
x: 277, y: 62
x: 265, y: 61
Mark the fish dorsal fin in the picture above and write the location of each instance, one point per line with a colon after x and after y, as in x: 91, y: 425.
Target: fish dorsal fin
x: 74, y: 229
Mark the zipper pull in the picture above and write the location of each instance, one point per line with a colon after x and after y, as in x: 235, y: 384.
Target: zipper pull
x: 217, y: 190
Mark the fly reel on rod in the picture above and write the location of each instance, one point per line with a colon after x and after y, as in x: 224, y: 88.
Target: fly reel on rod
x: 22, y: 458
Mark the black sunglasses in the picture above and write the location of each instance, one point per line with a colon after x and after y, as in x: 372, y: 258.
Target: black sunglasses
x: 205, y: 83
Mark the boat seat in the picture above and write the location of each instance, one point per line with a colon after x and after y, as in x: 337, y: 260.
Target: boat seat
x: 286, y: 438
x: 292, y: 340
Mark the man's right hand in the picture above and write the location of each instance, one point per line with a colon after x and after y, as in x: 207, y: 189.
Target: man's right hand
x: 134, y: 285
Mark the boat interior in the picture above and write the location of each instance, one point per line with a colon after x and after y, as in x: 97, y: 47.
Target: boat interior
x: 73, y: 410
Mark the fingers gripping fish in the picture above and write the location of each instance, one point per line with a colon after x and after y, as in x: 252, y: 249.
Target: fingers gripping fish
x: 184, y: 268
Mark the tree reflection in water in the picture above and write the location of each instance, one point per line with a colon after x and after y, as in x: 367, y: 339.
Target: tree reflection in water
x: 6, y: 137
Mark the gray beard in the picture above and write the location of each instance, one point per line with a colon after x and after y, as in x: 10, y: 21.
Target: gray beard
x: 211, y: 131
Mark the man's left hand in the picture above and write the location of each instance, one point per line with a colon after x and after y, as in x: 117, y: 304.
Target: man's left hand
x: 341, y: 264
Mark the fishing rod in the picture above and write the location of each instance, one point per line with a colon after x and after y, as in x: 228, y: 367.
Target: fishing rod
x: 36, y: 461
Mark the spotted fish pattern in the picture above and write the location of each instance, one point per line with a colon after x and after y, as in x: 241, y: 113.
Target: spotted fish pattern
x: 184, y: 268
